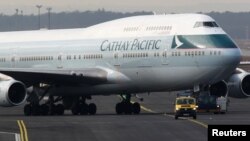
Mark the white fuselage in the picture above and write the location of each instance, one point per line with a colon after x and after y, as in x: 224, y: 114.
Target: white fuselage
x: 151, y: 53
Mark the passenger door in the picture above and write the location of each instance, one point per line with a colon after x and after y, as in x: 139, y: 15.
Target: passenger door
x: 164, y: 56
x: 60, y: 61
x: 13, y: 57
x: 116, y: 59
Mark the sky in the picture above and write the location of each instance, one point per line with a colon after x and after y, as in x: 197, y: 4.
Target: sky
x: 159, y: 6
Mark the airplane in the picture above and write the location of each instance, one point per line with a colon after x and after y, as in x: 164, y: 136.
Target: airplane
x: 150, y: 53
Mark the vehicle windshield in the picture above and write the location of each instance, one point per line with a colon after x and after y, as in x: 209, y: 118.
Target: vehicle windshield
x: 185, y: 101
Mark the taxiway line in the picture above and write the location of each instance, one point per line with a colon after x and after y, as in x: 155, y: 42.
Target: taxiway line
x: 191, y: 120
x: 23, y: 130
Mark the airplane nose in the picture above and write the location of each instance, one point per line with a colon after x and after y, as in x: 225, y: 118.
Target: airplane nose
x: 236, y: 57
x: 227, y: 64
x: 231, y: 59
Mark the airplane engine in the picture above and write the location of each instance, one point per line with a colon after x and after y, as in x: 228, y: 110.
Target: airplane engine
x: 239, y: 85
x: 219, y: 89
x: 12, y: 93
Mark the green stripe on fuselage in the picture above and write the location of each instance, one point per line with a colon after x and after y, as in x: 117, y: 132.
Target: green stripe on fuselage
x: 202, y: 41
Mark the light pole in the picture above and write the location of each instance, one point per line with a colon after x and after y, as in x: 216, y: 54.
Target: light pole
x: 39, y: 7
x: 49, y: 10
x: 17, y: 10
x: 247, y: 32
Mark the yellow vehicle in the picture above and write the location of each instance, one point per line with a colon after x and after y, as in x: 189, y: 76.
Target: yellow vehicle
x: 185, y: 106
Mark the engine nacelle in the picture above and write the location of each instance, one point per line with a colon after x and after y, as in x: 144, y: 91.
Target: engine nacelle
x: 12, y: 93
x: 219, y: 89
x: 239, y: 85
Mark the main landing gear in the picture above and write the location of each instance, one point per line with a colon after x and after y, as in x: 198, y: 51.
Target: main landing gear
x: 48, y: 108
x: 56, y: 105
x: 126, y: 107
x: 77, y: 107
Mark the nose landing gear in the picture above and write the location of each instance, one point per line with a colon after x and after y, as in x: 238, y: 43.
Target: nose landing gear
x: 126, y: 107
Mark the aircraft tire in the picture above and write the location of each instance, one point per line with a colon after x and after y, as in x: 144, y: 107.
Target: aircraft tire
x: 75, y: 110
x: 119, y: 108
x: 92, y: 109
x: 44, y: 109
x: 60, y: 109
x: 35, y: 109
x: 136, y: 108
x: 84, y: 109
x: 128, y: 108
x: 27, y: 110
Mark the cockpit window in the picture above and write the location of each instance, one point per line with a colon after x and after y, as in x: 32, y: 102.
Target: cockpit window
x: 206, y: 24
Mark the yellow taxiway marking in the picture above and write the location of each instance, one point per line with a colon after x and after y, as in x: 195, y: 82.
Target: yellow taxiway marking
x: 198, y: 122
x: 23, y: 130
x: 191, y: 120
x: 148, y: 110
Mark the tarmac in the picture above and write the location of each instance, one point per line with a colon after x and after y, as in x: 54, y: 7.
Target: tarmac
x: 156, y: 122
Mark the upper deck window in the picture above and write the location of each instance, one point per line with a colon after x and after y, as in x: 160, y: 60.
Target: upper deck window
x: 206, y: 24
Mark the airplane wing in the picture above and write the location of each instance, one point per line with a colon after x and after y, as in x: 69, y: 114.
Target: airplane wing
x: 32, y: 76
x: 245, y: 65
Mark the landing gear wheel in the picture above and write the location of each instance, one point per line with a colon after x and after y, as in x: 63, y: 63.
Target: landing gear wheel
x: 136, y: 108
x: 27, y: 110
x: 35, y: 109
x: 84, y: 109
x: 128, y: 108
x: 44, y: 109
x: 119, y: 108
x: 60, y: 109
x: 75, y: 110
x: 53, y: 110
x: 92, y: 109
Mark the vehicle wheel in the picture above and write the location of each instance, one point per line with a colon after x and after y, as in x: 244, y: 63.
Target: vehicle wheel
x: 84, y: 109
x: 119, y: 108
x: 44, y: 109
x: 27, y: 110
x: 175, y: 117
x: 92, y: 109
x: 60, y: 109
x: 194, y: 117
x: 136, y: 108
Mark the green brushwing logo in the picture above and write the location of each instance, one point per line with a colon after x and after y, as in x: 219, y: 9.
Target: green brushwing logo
x: 202, y: 41
x: 180, y: 42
